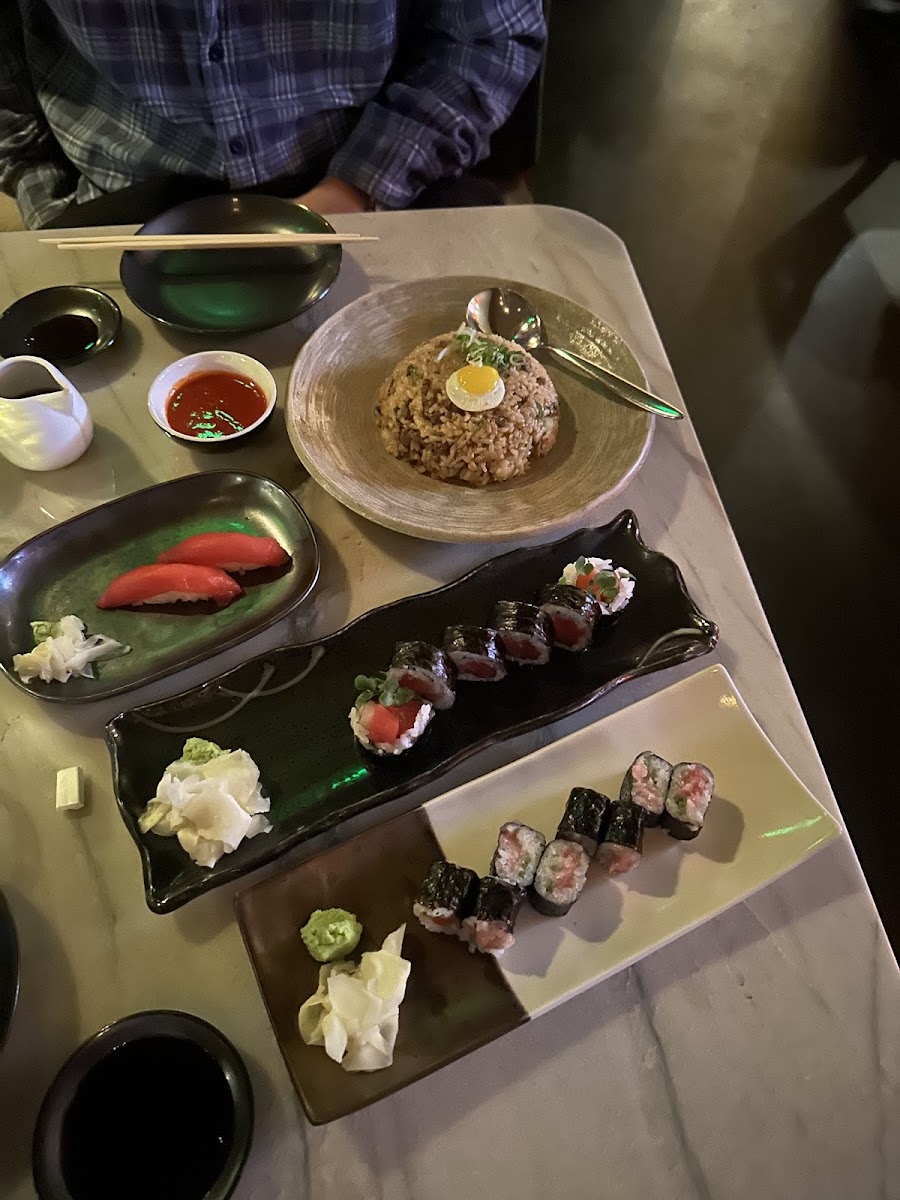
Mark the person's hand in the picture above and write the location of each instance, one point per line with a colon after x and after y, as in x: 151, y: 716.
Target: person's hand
x: 333, y: 195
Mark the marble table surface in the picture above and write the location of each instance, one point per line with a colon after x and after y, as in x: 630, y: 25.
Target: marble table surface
x: 758, y: 1056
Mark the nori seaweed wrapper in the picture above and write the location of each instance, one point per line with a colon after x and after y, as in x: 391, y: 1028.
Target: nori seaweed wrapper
x: 565, y: 595
x: 498, y: 900
x: 582, y: 820
x: 515, y: 616
x: 523, y: 625
x: 425, y: 657
x: 473, y: 639
x: 449, y: 886
x: 624, y: 825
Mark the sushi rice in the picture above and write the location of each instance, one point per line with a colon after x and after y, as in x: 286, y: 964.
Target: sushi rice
x: 612, y: 586
x: 646, y: 783
x: 519, y: 850
x: 560, y: 878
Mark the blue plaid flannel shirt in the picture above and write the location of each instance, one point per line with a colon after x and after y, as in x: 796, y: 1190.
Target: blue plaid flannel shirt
x: 99, y: 94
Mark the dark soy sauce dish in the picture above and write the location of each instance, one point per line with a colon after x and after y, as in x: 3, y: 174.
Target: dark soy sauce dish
x: 157, y: 1106
x: 64, y: 324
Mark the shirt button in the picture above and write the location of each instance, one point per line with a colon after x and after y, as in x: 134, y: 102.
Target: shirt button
x: 216, y: 53
x: 237, y: 146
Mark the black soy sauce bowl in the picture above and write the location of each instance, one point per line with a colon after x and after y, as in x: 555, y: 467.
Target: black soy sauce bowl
x: 231, y: 291
x: 35, y: 324
x: 211, y: 1074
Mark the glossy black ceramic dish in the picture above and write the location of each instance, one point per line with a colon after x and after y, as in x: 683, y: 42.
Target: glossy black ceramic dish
x: 231, y: 291
x: 288, y: 708
x: 65, y: 570
x: 65, y: 324
x: 9, y: 969
x: 172, y: 1059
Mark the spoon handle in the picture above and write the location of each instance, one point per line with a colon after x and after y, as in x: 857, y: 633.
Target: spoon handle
x: 629, y: 392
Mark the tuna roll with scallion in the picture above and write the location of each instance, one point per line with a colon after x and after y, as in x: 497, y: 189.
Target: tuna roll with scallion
x: 623, y: 837
x: 489, y: 928
x: 688, y: 797
x: 646, y: 783
x: 582, y: 819
x: 560, y: 878
x: 446, y: 897
x: 519, y: 850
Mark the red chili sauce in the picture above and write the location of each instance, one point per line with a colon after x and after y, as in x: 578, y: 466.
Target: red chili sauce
x: 212, y: 404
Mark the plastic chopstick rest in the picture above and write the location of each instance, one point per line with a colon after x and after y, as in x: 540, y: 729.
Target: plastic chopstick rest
x: 69, y: 788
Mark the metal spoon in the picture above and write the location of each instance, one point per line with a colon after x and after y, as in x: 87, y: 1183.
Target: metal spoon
x: 510, y: 315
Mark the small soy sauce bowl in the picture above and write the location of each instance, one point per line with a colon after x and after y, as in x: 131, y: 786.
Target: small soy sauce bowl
x: 64, y: 324
x: 225, y: 361
x: 157, y: 1106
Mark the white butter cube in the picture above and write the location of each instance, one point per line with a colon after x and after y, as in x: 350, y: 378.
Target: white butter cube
x: 69, y: 788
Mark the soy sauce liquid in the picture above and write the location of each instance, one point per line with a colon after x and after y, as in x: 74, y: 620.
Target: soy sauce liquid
x: 63, y: 337
x: 153, y: 1120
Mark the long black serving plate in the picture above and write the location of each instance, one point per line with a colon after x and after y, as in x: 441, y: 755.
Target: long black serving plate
x: 288, y: 708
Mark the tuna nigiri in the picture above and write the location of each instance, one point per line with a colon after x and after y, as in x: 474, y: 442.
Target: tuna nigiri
x: 162, y: 583
x: 234, y: 552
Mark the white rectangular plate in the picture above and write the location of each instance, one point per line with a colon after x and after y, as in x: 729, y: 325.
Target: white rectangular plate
x: 761, y: 823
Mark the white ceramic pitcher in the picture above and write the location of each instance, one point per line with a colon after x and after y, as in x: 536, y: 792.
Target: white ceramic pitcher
x: 44, y: 421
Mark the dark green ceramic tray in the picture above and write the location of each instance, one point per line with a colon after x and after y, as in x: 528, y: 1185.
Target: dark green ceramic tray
x: 66, y: 568
x: 289, y: 708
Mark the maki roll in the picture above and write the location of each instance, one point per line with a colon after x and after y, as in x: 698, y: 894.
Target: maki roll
x: 525, y: 631
x: 489, y: 927
x: 620, y: 848
x: 573, y: 614
x: 476, y: 652
x: 446, y: 897
x: 688, y: 797
x: 646, y: 783
x: 519, y: 850
x: 426, y: 671
x: 582, y: 819
x: 560, y: 878
x: 385, y: 718
x: 612, y: 586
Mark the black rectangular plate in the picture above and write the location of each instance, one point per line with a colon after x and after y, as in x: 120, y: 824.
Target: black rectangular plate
x: 65, y: 570
x: 289, y: 708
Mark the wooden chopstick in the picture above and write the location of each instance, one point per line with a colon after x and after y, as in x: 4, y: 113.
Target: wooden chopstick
x: 203, y: 241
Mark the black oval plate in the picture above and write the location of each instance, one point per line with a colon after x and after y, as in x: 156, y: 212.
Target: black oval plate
x: 288, y: 709
x: 231, y: 291
x: 66, y: 568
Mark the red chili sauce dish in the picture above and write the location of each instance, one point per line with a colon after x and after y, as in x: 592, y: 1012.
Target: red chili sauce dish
x: 214, y: 404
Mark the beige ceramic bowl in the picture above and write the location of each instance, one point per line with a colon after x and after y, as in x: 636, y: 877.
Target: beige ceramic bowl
x: 331, y: 419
